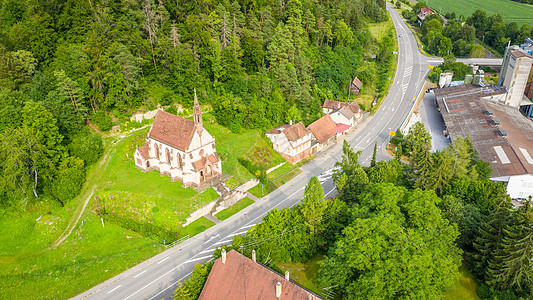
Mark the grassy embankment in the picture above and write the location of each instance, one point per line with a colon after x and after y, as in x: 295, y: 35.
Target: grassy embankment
x: 235, y: 208
x: 305, y: 274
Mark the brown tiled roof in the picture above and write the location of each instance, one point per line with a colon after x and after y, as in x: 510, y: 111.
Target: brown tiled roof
x: 354, y: 107
x: 296, y: 132
x: 143, y: 150
x: 241, y: 278
x: 278, y: 129
x: 172, y: 130
x: 332, y: 104
x: 323, y: 129
x: 519, y: 54
x: 212, y: 158
x: 345, y: 111
x: 358, y: 84
x: 199, y: 164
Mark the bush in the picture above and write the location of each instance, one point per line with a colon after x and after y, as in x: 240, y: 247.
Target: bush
x: 68, y: 182
x: 87, y: 146
x: 102, y: 120
x: 146, y: 229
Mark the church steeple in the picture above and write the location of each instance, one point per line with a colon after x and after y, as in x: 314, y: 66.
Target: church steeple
x: 197, y: 112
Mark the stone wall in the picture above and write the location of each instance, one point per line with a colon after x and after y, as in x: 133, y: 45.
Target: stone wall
x: 202, y: 211
x: 222, y: 202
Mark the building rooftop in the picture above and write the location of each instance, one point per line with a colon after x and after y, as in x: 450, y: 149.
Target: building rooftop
x: 172, y: 130
x: 278, y: 129
x: 241, y: 278
x: 296, y: 132
x: 323, y: 129
x: 468, y: 110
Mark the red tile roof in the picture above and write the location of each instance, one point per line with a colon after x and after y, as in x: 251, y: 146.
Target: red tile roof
x: 296, y: 132
x: 172, y: 130
x: 323, y: 129
x: 212, y: 158
x: 241, y: 278
x: 198, y: 165
x: 340, y: 128
x: 354, y: 107
x: 144, y: 151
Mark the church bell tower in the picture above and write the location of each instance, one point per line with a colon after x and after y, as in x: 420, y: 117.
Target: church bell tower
x: 197, y: 112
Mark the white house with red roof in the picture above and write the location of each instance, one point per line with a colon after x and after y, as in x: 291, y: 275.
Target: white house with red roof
x: 293, y: 142
x: 180, y: 148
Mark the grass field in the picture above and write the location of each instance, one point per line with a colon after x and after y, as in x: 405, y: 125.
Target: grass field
x: 235, y: 208
x: 465, y: 289
x: 249, y: 143
x: 510, y: 10
x: 305, y: 274
x: 276, y: 179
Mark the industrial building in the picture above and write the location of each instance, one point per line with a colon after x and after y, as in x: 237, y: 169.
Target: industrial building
x: 516, y: 77
x: 500, y: 133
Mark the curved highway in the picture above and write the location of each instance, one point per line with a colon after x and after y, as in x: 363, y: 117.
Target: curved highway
x: 156, y: 278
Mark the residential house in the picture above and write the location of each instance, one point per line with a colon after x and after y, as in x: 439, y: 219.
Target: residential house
x: 332, y: 105
x: 355, y: 86
x: 180, y: 148
x: 424, y: 13
x: 235, y: 276
x: 324, y: 130
x: 293, y: 142
x: 344, y: 119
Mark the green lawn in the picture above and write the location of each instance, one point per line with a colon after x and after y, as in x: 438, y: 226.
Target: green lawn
x: 276, y: 179
x: 305, y: 274
x: 249, y: 143
x: 379, y: 30
x: 235, y: 208
x: 197, y: 226
x: 510, y: 10
x: 465, y: 288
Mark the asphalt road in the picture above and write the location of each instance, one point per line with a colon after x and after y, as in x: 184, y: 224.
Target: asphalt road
x: 156, y: 278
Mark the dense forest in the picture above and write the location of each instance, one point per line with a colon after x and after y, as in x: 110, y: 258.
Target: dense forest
x: 66, y: 66
x: 400, y: 230
x: 455, y: 35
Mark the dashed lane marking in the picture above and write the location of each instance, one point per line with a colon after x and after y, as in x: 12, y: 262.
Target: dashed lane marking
x: 114, y: 289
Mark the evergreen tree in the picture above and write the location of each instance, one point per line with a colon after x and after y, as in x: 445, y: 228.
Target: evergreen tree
x: 373, y: 161
x: 512, y: 266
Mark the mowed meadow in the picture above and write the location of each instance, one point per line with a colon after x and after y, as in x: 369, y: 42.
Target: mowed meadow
x: 511, y: 11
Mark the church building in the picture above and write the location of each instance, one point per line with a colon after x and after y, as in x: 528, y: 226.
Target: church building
x: 180, y: 148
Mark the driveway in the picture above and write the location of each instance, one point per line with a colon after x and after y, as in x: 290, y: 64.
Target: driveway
x: 433, y: 122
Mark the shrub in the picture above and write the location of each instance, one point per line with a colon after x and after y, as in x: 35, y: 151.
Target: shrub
x: 102, y: 120
x: 86, y: 146
x: 157, y: 233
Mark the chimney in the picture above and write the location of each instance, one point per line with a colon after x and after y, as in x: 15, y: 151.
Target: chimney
x: 278, y: 289
x: 287, y: 275
x: 223, y: 256
x: 290, y: 122
x: 253, y: 256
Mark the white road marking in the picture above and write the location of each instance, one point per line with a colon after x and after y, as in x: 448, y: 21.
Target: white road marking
x: 330, y: 192
x: 114, y: 289
x: 139, y: 274
x: 163, y: 259
x: 171, y: 285
x: 172, y: 270
x: 247, y: 226
x: 223, y: 242
x: 238, y: 233
x: 207, y: 251
x: 199, y: 258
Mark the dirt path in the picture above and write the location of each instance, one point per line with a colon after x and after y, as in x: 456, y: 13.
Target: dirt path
x: 95, y: 176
